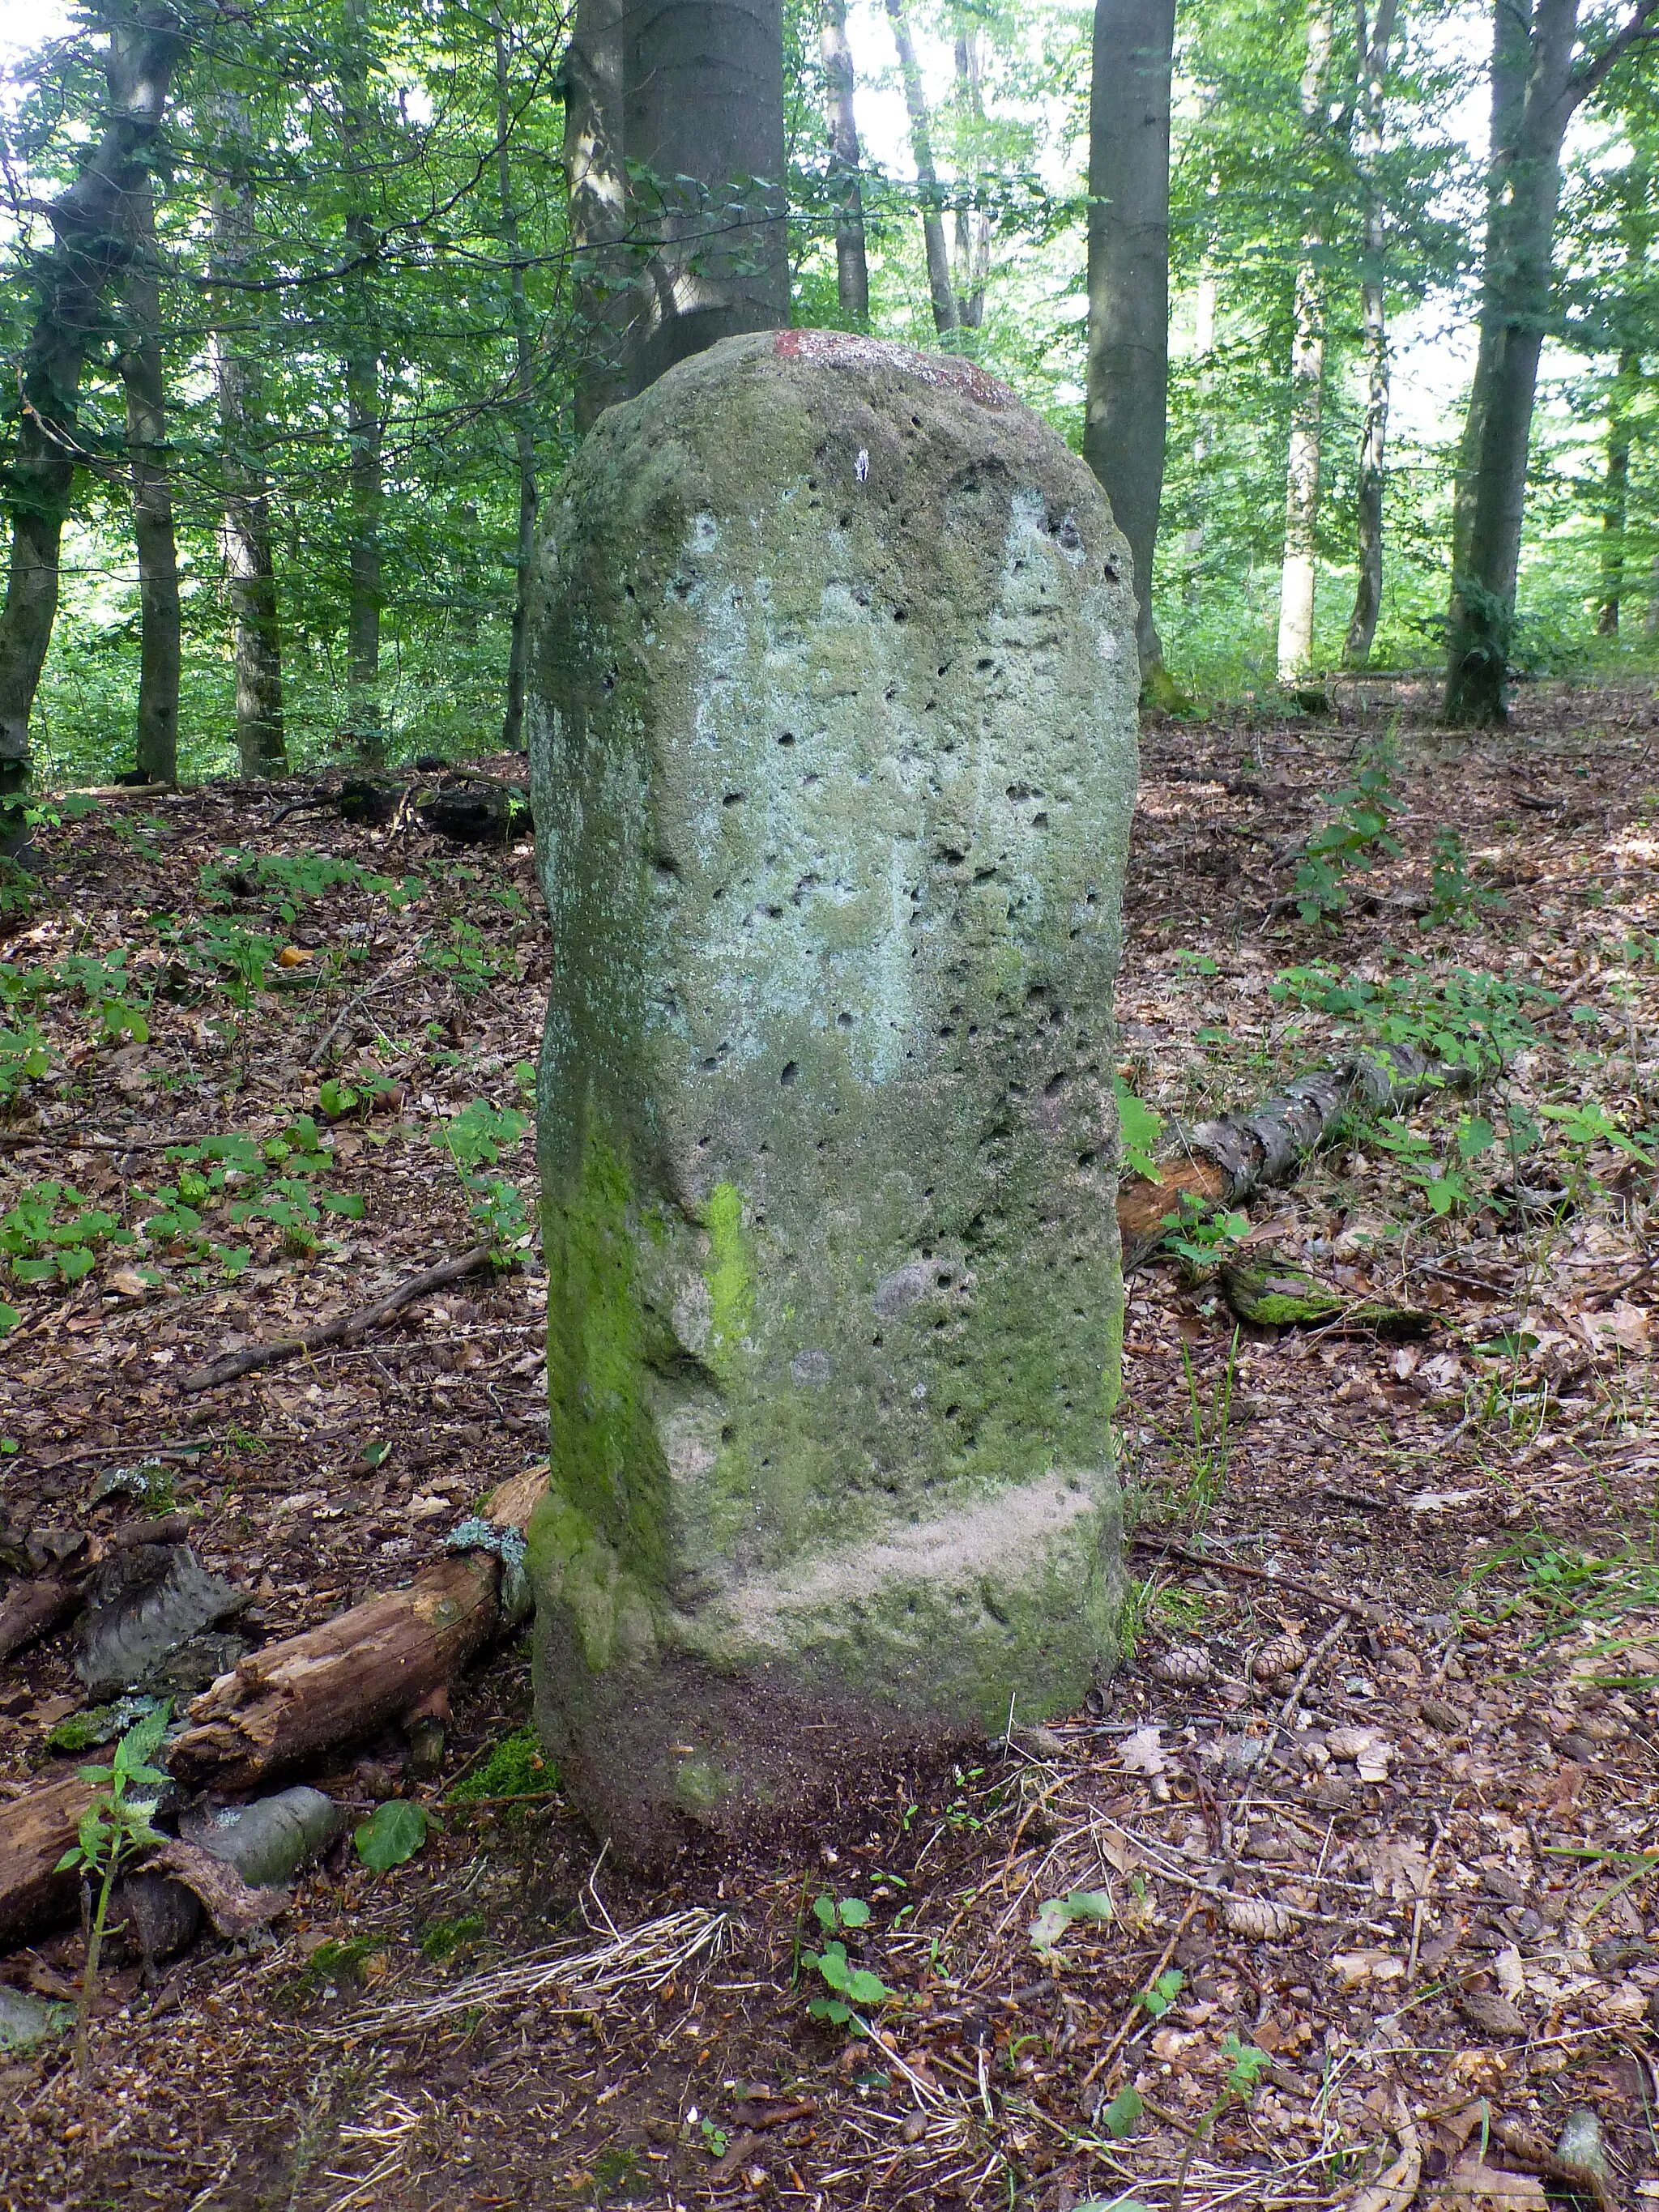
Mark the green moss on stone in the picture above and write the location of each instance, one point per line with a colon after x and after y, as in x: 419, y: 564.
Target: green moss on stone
x: 729, y: 1274
x: 605, y: 1458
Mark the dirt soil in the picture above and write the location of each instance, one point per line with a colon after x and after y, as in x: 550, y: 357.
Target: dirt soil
x: 1347, y: 1874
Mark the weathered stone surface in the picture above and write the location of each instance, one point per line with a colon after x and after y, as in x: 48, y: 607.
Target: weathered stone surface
x: 833, y: 742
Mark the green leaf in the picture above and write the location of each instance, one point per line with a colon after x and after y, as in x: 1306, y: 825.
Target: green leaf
x: 1119, y: 2116
x: 393, y: 1833
x: 1056, y: 1915
x: 1163, y: 1993
x: 823, y: 1912
x: 831, y: 2009
x: 831, y: 1963
x: 1138, y: 1131
x: 866, y: 1989
x: 9, y: 1318
x: 854, y: 1913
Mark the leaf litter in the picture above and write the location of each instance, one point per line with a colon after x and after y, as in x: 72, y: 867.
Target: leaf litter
x: 1413, y: 1870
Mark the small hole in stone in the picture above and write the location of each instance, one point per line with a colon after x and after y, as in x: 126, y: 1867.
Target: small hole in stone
x: 1040, y: 821
x: 791, y: 1070
x: 1086, y: 1159
x: 917, y: 419
x: 982, y: 666
x: 900, y: 615
x: 787, y: 738
x: 734, y: 799
x: 1110, y: 573
x: 843, y: 1021
x: 846, y: 522
x: 812, y: 483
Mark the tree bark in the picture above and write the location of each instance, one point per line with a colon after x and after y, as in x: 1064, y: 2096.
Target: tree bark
x: 1615, y: 494
x: 524, y: 414
x: 1372, y: 56
x: 89, y: 246
x: 157, y: 748
x: 973, y: 224
x: 1536, y: 86
x: 1300, y: 571
x: 364, y: 726
x: 846, y: 187
x: 703, y: 123
x: 939, y: 287
x: 250, y: 569
x: 596, y: 182
x: 1125, y: 412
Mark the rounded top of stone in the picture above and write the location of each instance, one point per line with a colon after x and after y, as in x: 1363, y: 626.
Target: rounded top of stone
x: 848, y: 349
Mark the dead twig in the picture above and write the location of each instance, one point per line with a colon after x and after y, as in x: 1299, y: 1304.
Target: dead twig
x: 1345, y: 1605
x: 341, y: 1330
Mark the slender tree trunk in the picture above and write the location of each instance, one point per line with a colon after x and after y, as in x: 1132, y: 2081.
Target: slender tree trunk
x: 596, y: 180
x: 1298, y: 577
x: 1192, y: 539
x: 523, y: 418
x: 88, y: 246
x: 251, y: 571
x: 364, y: 726
x: 1371, y: 55
x: 157, y: 748
x: 702, y: 122
x: 943, y: 293
x: 1125, y: 414
x: 973, y: 224
x: 1615, y: 494
x: 846, y: 188
x: 1536, y: 87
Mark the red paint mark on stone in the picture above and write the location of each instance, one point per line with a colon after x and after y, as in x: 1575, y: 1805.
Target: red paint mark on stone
x: 846, y: 349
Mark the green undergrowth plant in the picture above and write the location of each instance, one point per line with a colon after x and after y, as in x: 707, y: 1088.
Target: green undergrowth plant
x: 54, y: 1232
x: 848, y: 1986
x: 285, y: 881
x: 475, y: 1139
x: 115, y: 1826
x: 1562, y: 1588
x: 1351, y: 842
x: 1455, y: 895
x: 1467, y: 1017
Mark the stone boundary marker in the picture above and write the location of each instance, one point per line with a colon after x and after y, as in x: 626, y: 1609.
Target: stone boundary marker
x: 832, y: 741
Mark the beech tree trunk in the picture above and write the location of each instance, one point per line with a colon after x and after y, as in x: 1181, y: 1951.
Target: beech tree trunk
x: 1125, y: 414
x: 157, y: 748
x: 940, y: 288
x: 846, y: 186
x: 364, y: 726
x: 1536, y: 86
x: 702, y: 124
x: 251, y: 573
x: 90, y: 244
x: 1372, y: 61
x: 973, y: 224
x: 1300, y: 568
x: 1615, y: 494
x: 596, y: 182
x: 524, y: 414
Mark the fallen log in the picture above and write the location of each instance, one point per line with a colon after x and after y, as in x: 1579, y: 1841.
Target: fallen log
x: 35, y: 1832
x: 298, y: 1699
x: 1225, y: 1161
x: 294, y: 1701
x: 35, y: 1608
x: 344, y: 1328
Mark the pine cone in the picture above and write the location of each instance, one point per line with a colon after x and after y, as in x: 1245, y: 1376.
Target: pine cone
x: 1280, y: 1654
x: 1256, y: 1918
x: 1186, y: 1665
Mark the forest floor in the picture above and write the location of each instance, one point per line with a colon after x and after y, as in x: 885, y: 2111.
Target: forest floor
x: 1416, y: 1880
